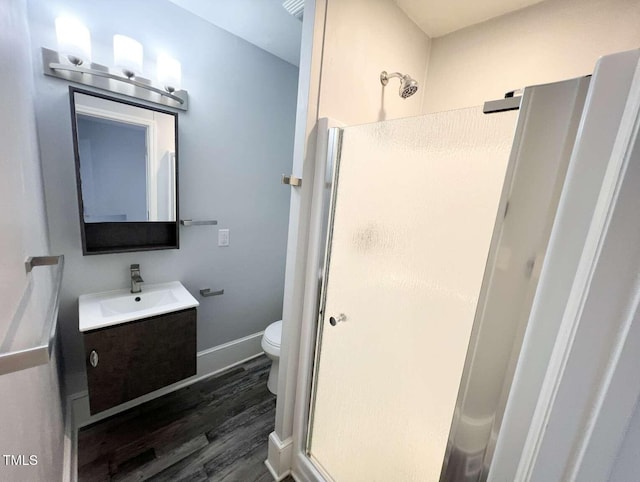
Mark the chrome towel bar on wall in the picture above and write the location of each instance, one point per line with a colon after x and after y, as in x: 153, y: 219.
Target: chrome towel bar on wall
x: 20, y: 359
x: 206, y: 292
x: 35, y: 261
x: 191, y: 222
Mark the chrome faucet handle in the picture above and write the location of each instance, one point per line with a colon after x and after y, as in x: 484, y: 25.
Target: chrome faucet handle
x: 136, y: 279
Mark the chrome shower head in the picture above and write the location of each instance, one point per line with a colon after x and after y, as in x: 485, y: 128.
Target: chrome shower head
x: 408, y: 86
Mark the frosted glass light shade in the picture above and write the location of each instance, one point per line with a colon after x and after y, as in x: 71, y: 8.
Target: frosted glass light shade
x: 127, y: 55
x: 74, y: 39
x: 169, y: 72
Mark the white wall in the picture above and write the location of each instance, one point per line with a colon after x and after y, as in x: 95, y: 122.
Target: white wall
x: 363, y: 38
x: 22, y: 217
x: 234, y: 142
x: 550, y: 41
x: 30, y: 410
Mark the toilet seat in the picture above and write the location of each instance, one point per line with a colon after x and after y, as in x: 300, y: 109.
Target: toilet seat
x: 271, y: 340
x: 273, y: 334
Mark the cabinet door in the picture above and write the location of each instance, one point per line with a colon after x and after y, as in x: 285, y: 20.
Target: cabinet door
x: 139, y: 357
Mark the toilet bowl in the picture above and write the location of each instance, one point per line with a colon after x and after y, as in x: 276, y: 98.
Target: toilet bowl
x: 271, y: 346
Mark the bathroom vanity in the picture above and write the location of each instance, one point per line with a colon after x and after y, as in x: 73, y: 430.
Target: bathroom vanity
x: 137, y: 343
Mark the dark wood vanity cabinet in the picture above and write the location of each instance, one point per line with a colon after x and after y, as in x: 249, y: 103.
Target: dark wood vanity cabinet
x: 129, y: 360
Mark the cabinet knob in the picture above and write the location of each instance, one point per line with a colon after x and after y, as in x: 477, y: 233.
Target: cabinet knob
x: 93, y: 358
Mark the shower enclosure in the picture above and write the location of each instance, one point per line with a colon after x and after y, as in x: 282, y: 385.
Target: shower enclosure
x: 436, y: 232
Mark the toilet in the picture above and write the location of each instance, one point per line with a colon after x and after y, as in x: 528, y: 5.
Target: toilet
x: 271, y: 346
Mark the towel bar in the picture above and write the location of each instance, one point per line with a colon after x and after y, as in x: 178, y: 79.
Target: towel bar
x: 13, y: 361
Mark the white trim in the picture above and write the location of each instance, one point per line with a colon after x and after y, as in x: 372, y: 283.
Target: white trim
x: 210, y: 362
x: 70, y: 450
x: 303, y: 166
x: 152, y: 171
x: 222, y: 357
x: 111, y: 115
x: 563, y: 426
x: 279, y: 457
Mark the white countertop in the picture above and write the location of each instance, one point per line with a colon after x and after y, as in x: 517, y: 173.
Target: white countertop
x: 99, y: 310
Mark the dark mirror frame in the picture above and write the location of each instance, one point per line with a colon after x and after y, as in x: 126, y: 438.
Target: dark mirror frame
x: 124, y: 237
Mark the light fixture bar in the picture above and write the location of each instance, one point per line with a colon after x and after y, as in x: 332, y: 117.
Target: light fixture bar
x: 99, y: 76
x: 109, y: 75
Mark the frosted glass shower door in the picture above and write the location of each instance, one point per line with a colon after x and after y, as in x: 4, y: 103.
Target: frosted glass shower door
x: 415, y: 202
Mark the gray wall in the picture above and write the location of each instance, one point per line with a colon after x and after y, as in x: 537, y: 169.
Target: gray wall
x: 235, y: 141
x: 30, y: 409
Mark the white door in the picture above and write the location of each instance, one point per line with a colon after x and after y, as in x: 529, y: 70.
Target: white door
x: 414, y: 206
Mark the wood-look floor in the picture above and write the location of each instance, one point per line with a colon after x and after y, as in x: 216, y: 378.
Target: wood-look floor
x: 214, y: 430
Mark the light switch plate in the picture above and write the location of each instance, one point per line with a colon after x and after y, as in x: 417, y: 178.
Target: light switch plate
x: 223, y: 237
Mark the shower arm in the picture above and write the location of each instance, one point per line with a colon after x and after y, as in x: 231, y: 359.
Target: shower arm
x: 384, y: 77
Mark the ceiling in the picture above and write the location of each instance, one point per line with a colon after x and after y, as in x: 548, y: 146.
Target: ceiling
x: 267, y: 25
x: 264, y: 23
x: 440, y: 17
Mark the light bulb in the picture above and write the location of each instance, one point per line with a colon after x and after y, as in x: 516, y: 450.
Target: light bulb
x: 74, y: 40
x: 127, y: 55
x: 169, y: 73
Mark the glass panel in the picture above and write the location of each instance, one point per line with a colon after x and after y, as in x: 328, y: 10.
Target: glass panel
x: 414, y: 212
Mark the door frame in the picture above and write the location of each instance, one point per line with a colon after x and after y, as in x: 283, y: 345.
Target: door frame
x: 282, y: 456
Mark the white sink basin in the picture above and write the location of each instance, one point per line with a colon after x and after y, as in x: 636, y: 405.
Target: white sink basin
x: 98, y: 310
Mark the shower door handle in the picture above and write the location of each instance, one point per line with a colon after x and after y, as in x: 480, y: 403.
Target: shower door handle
x: 333, y: 321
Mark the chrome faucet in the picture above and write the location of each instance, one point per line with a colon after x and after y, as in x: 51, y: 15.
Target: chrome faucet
x: 136, y: 279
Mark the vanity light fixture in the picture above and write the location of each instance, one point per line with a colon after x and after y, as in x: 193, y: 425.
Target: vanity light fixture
x: 127, y: 55
x: 169, y: 72
x: 74, y: 40
x: 72, y: 62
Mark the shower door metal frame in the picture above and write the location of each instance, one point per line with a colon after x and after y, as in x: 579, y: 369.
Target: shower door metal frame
x: 329, y: 141
x: 317, y: 276
x: 331, y: 169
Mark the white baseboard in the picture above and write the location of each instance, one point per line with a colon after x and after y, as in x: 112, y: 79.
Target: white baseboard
x: 305, y: 471
x: 210, y: 362
x: 227, y: 355
x: 279, y: 457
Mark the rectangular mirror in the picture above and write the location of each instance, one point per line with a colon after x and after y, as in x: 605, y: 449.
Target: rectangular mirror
x: 126, y: 170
